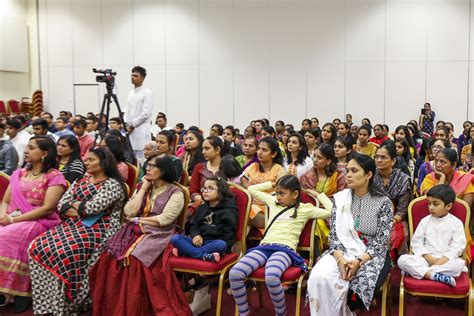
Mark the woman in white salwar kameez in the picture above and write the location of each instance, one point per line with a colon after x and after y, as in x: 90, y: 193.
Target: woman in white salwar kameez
x: 352, y: 271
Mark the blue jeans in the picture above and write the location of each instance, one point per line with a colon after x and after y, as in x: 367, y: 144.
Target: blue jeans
x: 185, y: 246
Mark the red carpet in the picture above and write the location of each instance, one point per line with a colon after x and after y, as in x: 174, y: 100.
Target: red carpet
x: 414, y: 306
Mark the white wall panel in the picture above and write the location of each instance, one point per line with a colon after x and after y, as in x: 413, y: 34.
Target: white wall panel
x: 326, y: 31
x: 251, y: 93
x: 156, y: 82
x: 404, y: 92
x: 406, y: 30
x: 447, y: 91
x: 216, y: 33
x: 216, y: 95
x: 252, y: 31
x: 149, y: 32
x: 288, y: 93
x: 365, y: 91
x: 59, y: 33
x: 365, y: 30
x: 182, y: 94
x: 61, y: 89
x: 87, y: 32
x: 182, y: 32
x: 326, y: 91
x: 117, y: 36
x: 470, y: 106
x: 288, y: 39
x: 448, y: 30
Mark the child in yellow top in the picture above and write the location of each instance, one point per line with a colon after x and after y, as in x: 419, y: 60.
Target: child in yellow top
x: 277, y: 250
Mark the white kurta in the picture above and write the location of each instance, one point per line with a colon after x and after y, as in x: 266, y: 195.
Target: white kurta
x: 138, y: 114
x: 439, y: 237
x: 19, y: 142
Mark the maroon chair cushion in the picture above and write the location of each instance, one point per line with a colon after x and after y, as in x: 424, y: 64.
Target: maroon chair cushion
x: 201, y: 265
x: 291, y: 274
x: 433, y: 287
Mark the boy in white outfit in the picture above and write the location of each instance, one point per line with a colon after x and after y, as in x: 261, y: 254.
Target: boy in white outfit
x: 438, y: 241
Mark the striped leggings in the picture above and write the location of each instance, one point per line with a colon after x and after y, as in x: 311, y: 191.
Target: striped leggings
x: 275, y: 265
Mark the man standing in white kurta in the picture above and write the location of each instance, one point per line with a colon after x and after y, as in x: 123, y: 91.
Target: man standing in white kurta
x: 138, y: 112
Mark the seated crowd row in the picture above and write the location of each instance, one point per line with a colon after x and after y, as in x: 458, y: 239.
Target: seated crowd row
x: 74, y: 238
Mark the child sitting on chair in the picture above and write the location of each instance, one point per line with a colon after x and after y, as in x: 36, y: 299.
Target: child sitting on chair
x: 438, y: 241
x: 277, y: 249
x: 213, y: 226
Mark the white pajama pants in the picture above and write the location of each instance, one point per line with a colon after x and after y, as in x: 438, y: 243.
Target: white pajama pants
x: 417, y: 266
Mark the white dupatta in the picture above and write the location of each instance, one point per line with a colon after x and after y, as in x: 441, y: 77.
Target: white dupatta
x: 344, y: 225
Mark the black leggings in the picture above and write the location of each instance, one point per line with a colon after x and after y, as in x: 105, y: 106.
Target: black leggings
x: 357, y: 303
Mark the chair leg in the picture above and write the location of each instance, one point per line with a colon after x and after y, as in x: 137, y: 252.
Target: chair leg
x: 401, y: 303
x: 220, y: 290
x: 260, y: 294
x: 469, y: 302
x: 298, y: 297
x: 386, y: 299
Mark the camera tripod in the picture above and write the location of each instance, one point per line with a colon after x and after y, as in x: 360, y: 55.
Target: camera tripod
x: 110, y: 97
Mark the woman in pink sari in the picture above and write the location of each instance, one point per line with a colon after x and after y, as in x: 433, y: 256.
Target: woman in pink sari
x: 28, y: 209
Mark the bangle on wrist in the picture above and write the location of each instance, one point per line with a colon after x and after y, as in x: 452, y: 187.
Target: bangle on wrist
x: 11, y: 220
x: 136, y: 220
x: 360, y: 260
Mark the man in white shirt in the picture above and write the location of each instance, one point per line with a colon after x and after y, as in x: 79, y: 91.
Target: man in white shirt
x: 161, y: 124
x: 19, y: 138
x: 138, y: 112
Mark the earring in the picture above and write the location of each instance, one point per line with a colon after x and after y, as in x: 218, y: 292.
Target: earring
x: 42, y: 159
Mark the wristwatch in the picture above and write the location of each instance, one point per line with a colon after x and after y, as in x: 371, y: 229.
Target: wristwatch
x: 360, y: 260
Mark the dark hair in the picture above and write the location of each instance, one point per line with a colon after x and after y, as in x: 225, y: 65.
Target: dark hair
x: 346, y: 141
x: 333, y: 133
x: 366, y: 119
x: 307, y: 121
x: 408, y: 137
x: 406, y: 155
x: 114, y: 144
x: 315, y: 132
x: 222, y: 188
x: 445, y: 129
x: 63, y: 119
x: 385, y: 126
x: 140, y: 70
x: 328, y: 152
x: 253, y: 129
x: 116, y: 119
x: 197, y: 157
x: 451, y: 154
x: 266, y: 121
x: 229, y: 167
x: 389, y: 146
x: 170, y: 138
x: 16, y: 124
x: 217, y: 142
x: 281, y: 122
x: 80, y: 123
x: 261, y: 122
x: 48, y: 114
x: 346, y: 125
x: 290, y: 182
x: 368, y: 164
x: 45, y: 143
x: 442, y: 192
x: 315, y: 118
x: 40, y: 122
x: 274, y: 148
x: 166, y: 166
x: 20, y: 118
x: 180, y: 125
x: 72, y: 142
x: 109, y: 165
x: 367, y: 127
x: 302, y: 153
x: 231, y: 129
x: 270, y: 130
x: 2, y: 126
x: 219, y: 127
x: 378, y: 125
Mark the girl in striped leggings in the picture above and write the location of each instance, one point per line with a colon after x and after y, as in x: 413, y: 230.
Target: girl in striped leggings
x: 277, y: 249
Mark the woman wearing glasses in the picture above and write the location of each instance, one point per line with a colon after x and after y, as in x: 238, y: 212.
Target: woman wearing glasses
x: 397, y: 185
x: 133, y: 277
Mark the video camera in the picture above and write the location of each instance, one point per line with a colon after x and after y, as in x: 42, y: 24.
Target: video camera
x: 108, y: 76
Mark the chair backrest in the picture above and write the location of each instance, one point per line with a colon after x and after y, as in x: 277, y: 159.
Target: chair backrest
x: 14, y: 106
x: 4, y: 183
x: 3, y: 108
x: 184, y: 179
x: 418, y: 209
x: 243, y: 201
x: 306, y: 242
x: 182, y: 215
x: 132, y: 178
